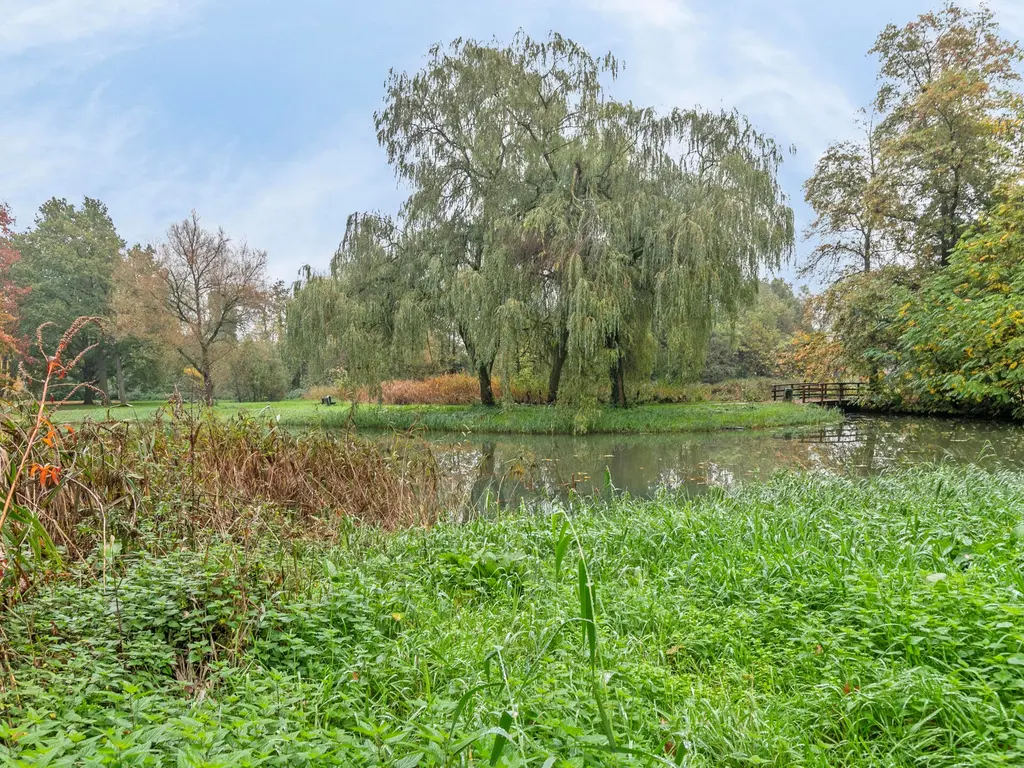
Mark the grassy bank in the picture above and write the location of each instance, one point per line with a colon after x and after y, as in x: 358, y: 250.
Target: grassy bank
x: 808, y: 621
x: 516, y: 419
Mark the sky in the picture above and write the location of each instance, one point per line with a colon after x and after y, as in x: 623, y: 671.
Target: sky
x: 258, y: 114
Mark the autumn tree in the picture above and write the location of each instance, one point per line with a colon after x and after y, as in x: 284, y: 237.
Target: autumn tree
x: 962, y: 336
x: 949, y: 135
x: 67, y: 265
x: 210, y: 285
x: 951, y: 126
x: 945, y: 127
x: 139, y: 323
x: 11, y: 342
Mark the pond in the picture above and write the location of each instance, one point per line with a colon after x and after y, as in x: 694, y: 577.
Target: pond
x: 509, y: 469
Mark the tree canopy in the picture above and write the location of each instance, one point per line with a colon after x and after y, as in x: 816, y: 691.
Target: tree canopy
x: 10, y: 294
x: 936, y: 185
x: 551, y: 231
x: 951, y: 125
x: 847, y: 225
x: 209, y: 286
x: 963, y: 333
x: 945, y: 128
x: 67, y: 264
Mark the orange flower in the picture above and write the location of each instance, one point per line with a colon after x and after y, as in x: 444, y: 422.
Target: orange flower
x: 48, y: 473
x: 51, y: 435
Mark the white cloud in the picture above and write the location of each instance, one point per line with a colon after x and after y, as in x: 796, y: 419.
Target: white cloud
x: 681, y: 58
x: 44, y: 23
x: 60, y: 149
x: 803, y: 105
x: 57, y: 145
x: 296, y: 210
x: 294, y: 207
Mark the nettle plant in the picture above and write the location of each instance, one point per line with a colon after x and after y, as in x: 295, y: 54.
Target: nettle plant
x: 34, y: 455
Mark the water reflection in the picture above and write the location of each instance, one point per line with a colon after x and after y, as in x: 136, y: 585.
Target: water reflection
x: 510, y: 469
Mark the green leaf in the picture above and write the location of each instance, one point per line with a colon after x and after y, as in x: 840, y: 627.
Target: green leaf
x: 501, y: 738
x: 561, y: 546
x: 330, y: 570
x: 409, y: 761
x: 587, y: 611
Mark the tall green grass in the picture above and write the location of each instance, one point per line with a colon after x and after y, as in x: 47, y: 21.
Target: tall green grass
x: 811, y: 621
x: 513, y: 419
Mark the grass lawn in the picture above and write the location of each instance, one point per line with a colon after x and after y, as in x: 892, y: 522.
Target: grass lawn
x: 809, y: 621
x: 517, y: 419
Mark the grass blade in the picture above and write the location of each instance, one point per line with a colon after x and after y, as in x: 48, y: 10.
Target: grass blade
x: 501, y: 737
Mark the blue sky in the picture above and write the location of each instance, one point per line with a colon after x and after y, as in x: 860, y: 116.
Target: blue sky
x: 258, y: 113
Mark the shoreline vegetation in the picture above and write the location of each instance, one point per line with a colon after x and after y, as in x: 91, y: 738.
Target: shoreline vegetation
x: 511, y: 419
x: 807, y: 620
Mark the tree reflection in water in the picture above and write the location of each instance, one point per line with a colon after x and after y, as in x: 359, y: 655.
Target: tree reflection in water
x: 508, y: 470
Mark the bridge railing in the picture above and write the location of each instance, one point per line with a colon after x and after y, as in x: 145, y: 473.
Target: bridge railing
x: 820, y: 392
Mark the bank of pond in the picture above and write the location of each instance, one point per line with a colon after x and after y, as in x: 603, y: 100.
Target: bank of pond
x: 507, y: 419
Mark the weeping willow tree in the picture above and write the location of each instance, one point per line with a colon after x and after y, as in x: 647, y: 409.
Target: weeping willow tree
x: 548, y: 221
x: 363, y: 320
x: 479, y: 133
x: 661, y: 225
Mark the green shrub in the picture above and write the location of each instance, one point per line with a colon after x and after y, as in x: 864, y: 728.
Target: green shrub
x: 256, y: 372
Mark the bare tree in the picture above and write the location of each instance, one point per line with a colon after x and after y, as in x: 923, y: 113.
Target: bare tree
x: 845, y: 193
x: 212, y: 285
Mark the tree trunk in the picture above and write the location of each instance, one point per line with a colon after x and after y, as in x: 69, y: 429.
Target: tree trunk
x: 947, y: 251
x: 102, y: 380
x: 486, y: 392
x: 208, y: 387
x: 555, y: 378
x: 484, y: 479
x: 207, y: 373
x: 122, y: 398
x: 618, y: 374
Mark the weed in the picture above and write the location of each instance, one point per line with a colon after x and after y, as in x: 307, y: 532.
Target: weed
x: 31, y: 445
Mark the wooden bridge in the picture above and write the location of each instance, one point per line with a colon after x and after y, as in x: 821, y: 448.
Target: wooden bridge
x: 833, y: 393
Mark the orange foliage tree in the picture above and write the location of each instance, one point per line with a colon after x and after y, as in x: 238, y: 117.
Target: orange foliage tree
x: 10, y: 294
